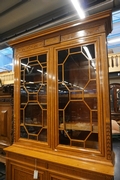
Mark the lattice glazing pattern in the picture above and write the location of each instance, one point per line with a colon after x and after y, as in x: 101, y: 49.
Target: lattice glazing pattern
x: 77, y: 92
x: 33, y: 87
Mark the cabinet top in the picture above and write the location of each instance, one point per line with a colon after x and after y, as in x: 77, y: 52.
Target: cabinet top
x: 102, y: 18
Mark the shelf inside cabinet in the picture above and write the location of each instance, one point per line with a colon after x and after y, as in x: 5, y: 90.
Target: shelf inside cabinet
x: 32, y: 124
x: 79, y: 126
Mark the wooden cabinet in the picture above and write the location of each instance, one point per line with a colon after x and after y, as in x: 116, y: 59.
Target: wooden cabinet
x: 61, y: 113
x: 115, y: 101
x: 6, y: 119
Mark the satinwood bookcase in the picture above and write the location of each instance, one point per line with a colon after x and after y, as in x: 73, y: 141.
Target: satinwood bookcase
x: 61, y: 103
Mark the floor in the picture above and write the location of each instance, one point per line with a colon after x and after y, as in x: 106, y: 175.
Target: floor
x: 2, y: 171
x: 116, y: 149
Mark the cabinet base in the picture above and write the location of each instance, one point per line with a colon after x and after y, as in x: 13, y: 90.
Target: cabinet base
x: 22, y: 163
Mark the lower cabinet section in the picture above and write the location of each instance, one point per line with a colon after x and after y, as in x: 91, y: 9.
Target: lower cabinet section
x: 21, y: 163
x: 23, y: 173
x: 67, y: 173
x: 19, y: 171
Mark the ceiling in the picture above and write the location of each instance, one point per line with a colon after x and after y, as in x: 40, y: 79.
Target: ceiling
x: 19, y: 17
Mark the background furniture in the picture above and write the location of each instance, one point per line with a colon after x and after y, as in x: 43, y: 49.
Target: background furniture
x: 115, y: 101
x: 6, y: 119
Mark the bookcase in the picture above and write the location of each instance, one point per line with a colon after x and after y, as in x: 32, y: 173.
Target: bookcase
x: 61, y: 103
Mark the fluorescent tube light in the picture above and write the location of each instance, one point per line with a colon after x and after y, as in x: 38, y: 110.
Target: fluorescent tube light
x: 87, y: 52
x: 39, y: 70
x: 25, y: 65
x: 114, y: 40
x: 79, y: 10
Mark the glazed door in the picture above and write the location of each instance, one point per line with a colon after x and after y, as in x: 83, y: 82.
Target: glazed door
x: 32, y: 100
x: 78, y: 97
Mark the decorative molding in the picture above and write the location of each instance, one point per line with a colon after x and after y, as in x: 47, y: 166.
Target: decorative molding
x: 82, y: 33
x: 108, y: 141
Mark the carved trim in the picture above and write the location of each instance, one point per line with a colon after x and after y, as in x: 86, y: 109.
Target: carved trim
x: 108, y: 141
x: 100, y: 18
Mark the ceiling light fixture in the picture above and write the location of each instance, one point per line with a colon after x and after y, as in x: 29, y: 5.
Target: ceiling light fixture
x: 78, y: 8
x: 87, y: 52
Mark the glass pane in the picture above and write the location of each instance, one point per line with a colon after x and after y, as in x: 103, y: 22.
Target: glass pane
x: 33, y: 114
x: 91, y: 102
x: 43, y: 135
x: 33, y: 137
x: 42, y: 94
x: 21, y: 116
x: 32, y: 87
x: 77, y: 92
x: 77, y: 64
x: 24, y: 63
x: 63, y: 138
x: 75, y: 49
x: 60, y: 73
x: 63, y: 96
x: 44, y: 75
x: 62, y: 55
x: 23, y: 132
x: 33, y: 73
x: 92, y: 141
x: 42, y: 58
x: 32, y: 130
x: 33, y: 58
x: 24, y: 95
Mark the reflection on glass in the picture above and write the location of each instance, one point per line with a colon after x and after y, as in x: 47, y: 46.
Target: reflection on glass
x: 42, y: 93
x: 63, y: 95
x: 33, y: 73
x: 23, y: 132
x: 77, y: 92
x: 24, y: 95
x: 43, y: 135
x: 33, y: 114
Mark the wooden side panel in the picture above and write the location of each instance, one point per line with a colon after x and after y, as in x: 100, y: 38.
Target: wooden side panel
x: 5, y: 123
